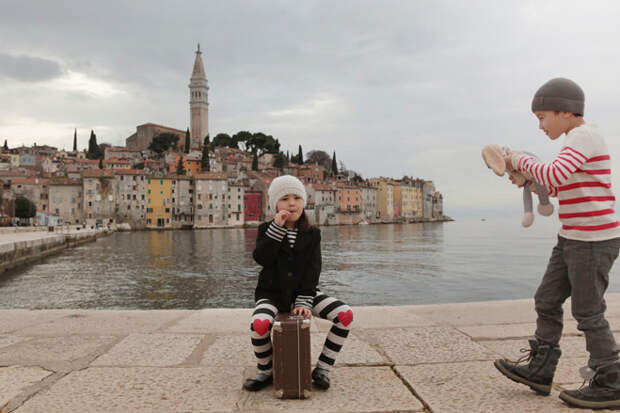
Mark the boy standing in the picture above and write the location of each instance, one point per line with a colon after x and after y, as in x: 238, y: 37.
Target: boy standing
x: 587, y: 247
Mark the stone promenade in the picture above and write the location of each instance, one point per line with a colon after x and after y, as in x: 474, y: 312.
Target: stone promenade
x: 428, y: 358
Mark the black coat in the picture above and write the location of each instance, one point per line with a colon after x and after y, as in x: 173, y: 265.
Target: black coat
x: 287, y: 272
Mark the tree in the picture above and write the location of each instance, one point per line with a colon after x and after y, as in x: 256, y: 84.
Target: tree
x: 6, y: 146
x: 164, y: 141
x: 255, y: 162
x: 242, y: 138
x: 180, y: 167
x: 206, y: 141
x: 319, y: 157
x: 100, y: 163
x: 280, y: 161
x: 24, y: 208
x: 139, y: 165
x: 93, y: 149
x: 334, y: 165
x: 102, y: 148
x: 300, y: 156
x: 187, y: 141
x: 75, y: 140
x: 221, y: 139
x: 204, y: 163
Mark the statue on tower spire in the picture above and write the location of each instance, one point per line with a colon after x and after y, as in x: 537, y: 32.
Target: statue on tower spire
x: 198, y: 51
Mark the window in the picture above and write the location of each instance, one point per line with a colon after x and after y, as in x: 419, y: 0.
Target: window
x: 167, y: 210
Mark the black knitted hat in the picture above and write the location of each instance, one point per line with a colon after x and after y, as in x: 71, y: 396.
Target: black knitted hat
x: 559, y: 94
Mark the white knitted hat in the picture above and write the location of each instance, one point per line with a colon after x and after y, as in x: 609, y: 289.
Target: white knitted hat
x: 284, y: 185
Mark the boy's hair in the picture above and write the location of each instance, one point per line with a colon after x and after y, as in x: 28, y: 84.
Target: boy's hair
x: 559, y: 94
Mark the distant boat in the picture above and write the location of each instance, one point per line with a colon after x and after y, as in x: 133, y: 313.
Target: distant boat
x: 483, y: 219
x: 363, y: 223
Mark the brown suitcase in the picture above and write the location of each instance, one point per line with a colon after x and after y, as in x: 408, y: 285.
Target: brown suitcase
x: 291, y: 357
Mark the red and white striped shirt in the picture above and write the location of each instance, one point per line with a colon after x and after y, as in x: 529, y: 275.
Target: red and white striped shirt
x: 580, y: 177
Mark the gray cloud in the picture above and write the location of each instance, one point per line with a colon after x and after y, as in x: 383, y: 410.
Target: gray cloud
x: 407, y: 87
x: 28, y: 68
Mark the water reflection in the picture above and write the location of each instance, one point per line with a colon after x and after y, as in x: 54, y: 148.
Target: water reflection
x: 363, y: 265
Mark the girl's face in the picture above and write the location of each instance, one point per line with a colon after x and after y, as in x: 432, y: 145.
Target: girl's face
x: 292, y: 203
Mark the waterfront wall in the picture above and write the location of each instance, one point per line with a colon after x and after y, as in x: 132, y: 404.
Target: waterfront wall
x: 25, y: 246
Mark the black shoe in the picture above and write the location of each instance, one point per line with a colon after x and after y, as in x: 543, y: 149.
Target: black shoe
x: 320, y: 377
x: 256, y: 385
x: 542, y: 359
x: 603, y: 391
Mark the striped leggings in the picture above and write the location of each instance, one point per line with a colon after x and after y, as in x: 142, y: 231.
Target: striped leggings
x: 327, y: 308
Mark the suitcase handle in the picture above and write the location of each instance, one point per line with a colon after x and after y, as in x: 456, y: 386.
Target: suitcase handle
x: 305, y: 323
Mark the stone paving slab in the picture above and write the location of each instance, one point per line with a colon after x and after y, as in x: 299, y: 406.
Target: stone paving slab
x: 478, y: 313
x: 238, y: 351
x: 12, y: 320
x: 55, y: 353
x: 141, y: 390
x: 353, y: 389
x: 214, y: 321
x: 105, y: 322
x: 14, y: 379
x: 150, y: 350
x: 509, y: 331
x: 10, y: 340
x: 373, y: 317
x: 476, y: 387
x: 428, y: 345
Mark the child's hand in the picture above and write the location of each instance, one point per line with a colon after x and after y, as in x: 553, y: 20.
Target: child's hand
x: 281, y: 217
x: 508, y: 161
x: 302, y: 311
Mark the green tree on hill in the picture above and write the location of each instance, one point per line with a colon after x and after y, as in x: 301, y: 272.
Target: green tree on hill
x: 255, y: 162
x: 24, y: 208
x: 334, y: 165
x: 180, y: 167
x: 94, y: 152
x: 75, y: 140
x: 164, y: 141
x: 222, y: 140
x: 300, y: 156
x: 204, y: 162
x: 187, y: 141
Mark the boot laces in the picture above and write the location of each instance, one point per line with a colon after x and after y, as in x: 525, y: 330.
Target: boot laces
x: 529, y: 354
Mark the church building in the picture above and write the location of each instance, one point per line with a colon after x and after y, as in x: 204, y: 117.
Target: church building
x: 199, y: 115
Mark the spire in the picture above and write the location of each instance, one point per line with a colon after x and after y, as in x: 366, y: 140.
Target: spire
x: 199, y: 70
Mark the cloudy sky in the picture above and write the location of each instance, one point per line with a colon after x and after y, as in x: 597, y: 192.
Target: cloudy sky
x: 394, y: 87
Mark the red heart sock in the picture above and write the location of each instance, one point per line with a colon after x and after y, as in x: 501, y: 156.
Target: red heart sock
x: 345, y: 317
x: 261, y: 326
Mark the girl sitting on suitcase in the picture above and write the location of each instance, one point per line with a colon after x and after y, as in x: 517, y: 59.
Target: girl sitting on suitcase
x: 289, y: 250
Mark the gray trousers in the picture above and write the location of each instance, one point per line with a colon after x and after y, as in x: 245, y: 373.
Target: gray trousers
x: 580, y: 270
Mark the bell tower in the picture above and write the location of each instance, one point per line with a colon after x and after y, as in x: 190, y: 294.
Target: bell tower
x: 198, y: 103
